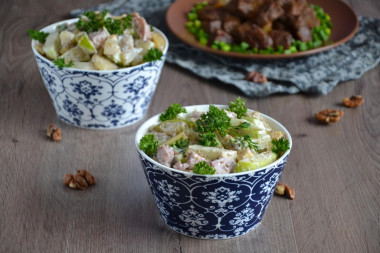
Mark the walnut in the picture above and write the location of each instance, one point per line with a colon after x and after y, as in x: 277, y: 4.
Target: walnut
x: 81, y: 180
x: 353, y: 101
x: 256, y: 77
x: 54, y: 133
x: 328, y: 116
x: 283, y: 189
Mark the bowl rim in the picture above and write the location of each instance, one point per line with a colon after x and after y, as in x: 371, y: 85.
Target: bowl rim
x: 53, y: 26
x: 155, y: 119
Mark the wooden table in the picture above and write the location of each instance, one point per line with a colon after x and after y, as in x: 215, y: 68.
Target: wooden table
x: 333, y: 169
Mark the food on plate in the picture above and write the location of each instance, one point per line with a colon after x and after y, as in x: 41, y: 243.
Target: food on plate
x: 353, y: 101
x: 54, y: 133
x: 259, y: 26
x: 328, y: 116
x: 81, y: 180
x: 99, y: 41
x: 285, y: 190
x: 219, y: 141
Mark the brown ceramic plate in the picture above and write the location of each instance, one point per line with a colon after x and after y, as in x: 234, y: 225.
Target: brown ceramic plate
x: 344, y: 20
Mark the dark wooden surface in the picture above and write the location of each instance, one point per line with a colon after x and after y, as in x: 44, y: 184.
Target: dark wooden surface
x: 333, y: 169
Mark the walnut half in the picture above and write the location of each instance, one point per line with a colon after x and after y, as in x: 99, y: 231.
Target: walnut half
x: 256, y: 77
x: 328, y: 116
x: 81, y: 180
x: 54, y: 133
x: 283, y: 189
x: 353, y: 101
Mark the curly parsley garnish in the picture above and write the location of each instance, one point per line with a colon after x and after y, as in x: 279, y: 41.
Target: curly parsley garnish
x: 37, y: 35
x: 60, y: 62
x: 280, y: 146
x: 148, y: 144
x: 203, y: 168
x: 214, y: 119
x: 172, y: 112
x: 153, y: 54
x: 91, y: 22
x: 238, y: 107
x: 208, y: 139
x: 181, y: 144
x: 242, y: 125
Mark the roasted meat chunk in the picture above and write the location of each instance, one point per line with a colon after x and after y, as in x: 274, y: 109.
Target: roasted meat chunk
x: 299, y: 28
x: 269, y: 12
x: 230, y: 23
x: 221, y: 35
x: 211, y: 26
x: 281, y: 38
x: 241, y: 8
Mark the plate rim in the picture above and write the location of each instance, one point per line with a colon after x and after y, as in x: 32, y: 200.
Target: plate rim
x: 208, y: 49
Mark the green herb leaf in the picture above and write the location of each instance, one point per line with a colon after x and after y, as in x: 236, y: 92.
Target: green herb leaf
x: 37, y: 35
x: 181, y: 144
x: 280, y: 146
x: 242, y: 125
x: 172, y: 112
x: 214, y: 119
x: 245, y: 142
x: 203, y: 168
x: 238, y: 107
x: 148, y: 144
x: 208, y: 139
x: 60, y: 62
x: 153, y: 54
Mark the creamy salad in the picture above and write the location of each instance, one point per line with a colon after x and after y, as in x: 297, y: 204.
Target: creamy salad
x: 218, y: 141
x: 99, y: 41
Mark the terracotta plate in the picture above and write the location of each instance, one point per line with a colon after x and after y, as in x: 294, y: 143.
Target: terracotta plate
x: 344, y: 20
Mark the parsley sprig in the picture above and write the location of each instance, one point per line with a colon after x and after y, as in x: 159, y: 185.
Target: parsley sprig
x: 208, y: 139
x: 214, y: 120
x: 37, y: 35
x: 280, y: 146
x: 203, y: 168
x: 91, y: 22
x: 181, y: 144
x: 238, y: 107
x: 153, y: 54
x: 60, y: 63
x: 148, y: 144
x: 245, y: 142
x: 172, y: 111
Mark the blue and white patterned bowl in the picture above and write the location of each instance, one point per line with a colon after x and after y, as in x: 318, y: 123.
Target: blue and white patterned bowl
x: 97, y: 99
x: 211, y: 206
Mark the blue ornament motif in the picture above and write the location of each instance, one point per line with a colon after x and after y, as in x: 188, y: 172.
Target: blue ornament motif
x: 211, y: 207
x: 71, y: 108
x: 87, y: 89
x: 113, y: 110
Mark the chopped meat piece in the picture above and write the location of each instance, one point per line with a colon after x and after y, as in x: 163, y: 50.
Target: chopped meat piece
x: 268, y: 13
x: 280, y: 24
x: 211, y: 26
x: 98, y: 38
x: 294, y: 7
x: 256, y: 77
x: 310, y: 17
x: 299, y: 28
x: 180, y: 166
x: 221, y: 35
x: 230, y: 23
x: 194, y: 158
x: 165, y: 155
x: 210, y: 13
x: 223, y: 165
x: 256, y: 37
x: 241, y: 8
x: 281, y: 38
x: 141, y: 27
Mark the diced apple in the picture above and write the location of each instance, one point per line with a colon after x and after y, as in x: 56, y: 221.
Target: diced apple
x: 67, y: 41
x: 128, y: 56
x: 85, y: 43
x: 52, y: 46
x: 75, y: 54
x: 102, y: 63
x: 84, y: 65
x: 159, y: 41
x: 213, y: 153
x: 256, y: 161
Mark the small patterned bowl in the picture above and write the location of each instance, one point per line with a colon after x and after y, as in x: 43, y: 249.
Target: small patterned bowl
x: 100, y: 99
x: 211, y: 206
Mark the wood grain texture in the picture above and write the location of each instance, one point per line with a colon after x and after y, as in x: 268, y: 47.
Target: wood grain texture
x: 334, y: 169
